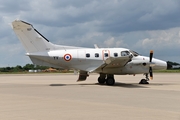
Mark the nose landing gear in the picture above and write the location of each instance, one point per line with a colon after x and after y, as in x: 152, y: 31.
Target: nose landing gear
x: 145, y: 81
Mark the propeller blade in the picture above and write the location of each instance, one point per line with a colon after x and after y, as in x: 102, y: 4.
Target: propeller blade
x: 151, y: 73
x: 150, y: 68
x: 150, y: 56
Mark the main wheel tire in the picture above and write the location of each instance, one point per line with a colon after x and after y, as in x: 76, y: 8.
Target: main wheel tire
x: 143, y: 81
x: 110, y: 81
x: 101, y: 80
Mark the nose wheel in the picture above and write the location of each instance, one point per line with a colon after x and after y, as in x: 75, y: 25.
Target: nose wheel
x: 145, y: 81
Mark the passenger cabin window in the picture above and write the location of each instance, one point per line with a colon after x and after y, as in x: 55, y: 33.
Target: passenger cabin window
x: 106, y: 55
x: 125, y: 53
x: 115, y: 54
x: 87, y: 55
x: 96, y: 54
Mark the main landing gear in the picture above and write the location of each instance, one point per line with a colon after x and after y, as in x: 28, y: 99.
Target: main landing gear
x: 145, y: 81
x: 106, y: 78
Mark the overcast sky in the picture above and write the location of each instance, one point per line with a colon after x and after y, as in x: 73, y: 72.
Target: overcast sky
x: 140, y: 25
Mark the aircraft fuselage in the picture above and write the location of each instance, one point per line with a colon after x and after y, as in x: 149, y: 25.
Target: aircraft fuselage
x: 84, y: 59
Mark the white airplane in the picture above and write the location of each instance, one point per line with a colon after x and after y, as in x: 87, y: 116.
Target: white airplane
x: 105, y: 61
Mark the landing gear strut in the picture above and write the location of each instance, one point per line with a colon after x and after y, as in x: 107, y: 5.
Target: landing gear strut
x: 108, y: 78
x: 145, y: 81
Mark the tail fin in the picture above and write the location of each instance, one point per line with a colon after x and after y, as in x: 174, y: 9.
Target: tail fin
x: 32, y: 40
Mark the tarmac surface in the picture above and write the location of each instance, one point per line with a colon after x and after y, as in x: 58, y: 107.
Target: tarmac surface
x: 60, y: 97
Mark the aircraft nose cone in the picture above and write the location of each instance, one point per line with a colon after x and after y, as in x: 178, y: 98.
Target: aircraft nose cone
x: 169, y: 66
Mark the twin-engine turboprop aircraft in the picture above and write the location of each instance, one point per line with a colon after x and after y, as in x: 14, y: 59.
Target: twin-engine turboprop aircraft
x: 105, y: 61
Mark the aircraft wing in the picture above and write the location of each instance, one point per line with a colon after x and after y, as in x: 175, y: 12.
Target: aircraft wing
x: 113, y: 62
x: 117, y: 62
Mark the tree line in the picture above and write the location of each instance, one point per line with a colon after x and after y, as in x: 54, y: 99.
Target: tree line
x: 172, y: 63
x: 19, y: 68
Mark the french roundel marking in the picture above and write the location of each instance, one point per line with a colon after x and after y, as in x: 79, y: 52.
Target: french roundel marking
x: 67, y: 57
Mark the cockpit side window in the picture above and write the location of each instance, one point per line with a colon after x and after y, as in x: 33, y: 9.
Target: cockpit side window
x: 125, y: 53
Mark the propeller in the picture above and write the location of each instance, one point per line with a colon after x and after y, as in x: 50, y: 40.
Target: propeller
x: 150, y: 68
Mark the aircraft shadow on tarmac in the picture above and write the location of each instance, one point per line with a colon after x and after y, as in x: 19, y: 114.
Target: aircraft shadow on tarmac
x: 117, y: 84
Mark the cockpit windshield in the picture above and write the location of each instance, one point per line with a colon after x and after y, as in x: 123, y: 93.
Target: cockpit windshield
x: 134, y: 53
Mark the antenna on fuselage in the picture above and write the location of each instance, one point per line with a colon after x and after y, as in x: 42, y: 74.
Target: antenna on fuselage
x: 96, y: 46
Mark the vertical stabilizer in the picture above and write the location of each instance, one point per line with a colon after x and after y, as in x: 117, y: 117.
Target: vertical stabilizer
x: 31, y: 39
